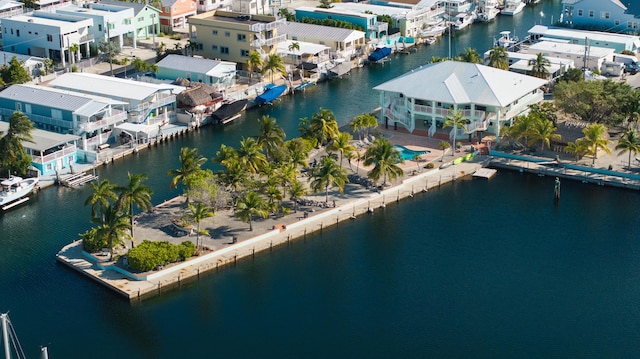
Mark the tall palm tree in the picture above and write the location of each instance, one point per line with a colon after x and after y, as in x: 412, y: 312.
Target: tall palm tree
x: 113, y: 227
x: 73, y: 50
x: 499, y: 58
x: 235, y: 176
x: 324, y: 126
x: 524, y: 127
x: 102, y: 196
x: 544, y: 131
x: 457, y: 122
x: 342, y: 144
x: 198, y: 212
x: 297, y: 190
x: 134, y: 193
x: 286, y: 174
x: 250, y: 155
x: 13, y: 156
x: 362, y: 123
x: 630, y: 142
x: 190, y: 163
x: 297, y: 152
x: 271, y: 136
x: 326, y: 174
x: 254, y: 63
x: 294, y: 46
x: 578, y: 148
x: 594, y: 139
x: 249, y: 206
x: 385, y: 157
x: 274, y: 64
x: 225, y: 155
x: 539, y: 66
x: 443, y: 145
x: 470, y: 55
x: 274, y: 196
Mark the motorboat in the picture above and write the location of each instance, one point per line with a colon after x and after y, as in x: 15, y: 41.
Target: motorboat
x: 433, y: 31
x: 506, y: 40
x: 487, y: 10
x: 512, y: 7
x: 379, y: 54
x: 462, y: 20
x: 430, y: 40
x: 228, y: 111
x: 15, y: 190
x: 271, y: 92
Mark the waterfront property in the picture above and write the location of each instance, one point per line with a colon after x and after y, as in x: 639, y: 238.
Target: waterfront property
x: 10, y: 8
x: 367, y: 22
x: 33, y: 64
x: 175, y: 14
x: 588, y: 58
x: 522, y: 63
x: 47, y: 34
x: 311, y: 60
x: 66, y: 112
x: 50, y: 151
x: 110, y: 22
x: 231, y: 36
x: 607, y: 15
x: 489, y: 98
x: 146, y: 19
x: 617, y: 42
x: 343, y: 43
x: 219, y: 74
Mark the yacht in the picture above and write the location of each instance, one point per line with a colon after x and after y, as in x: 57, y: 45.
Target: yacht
x: 487, y: 10
x: 506, y: 40
x: 462, y: 20
x: 512, y: 7
x: 15, y: 190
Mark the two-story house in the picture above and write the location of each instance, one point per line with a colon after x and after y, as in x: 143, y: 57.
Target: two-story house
x: 617, y: 42
x: 218, y: 74
x: 146, y: 20
x: 175, y: 13
x: 604, y: 15
x: 342, y: 43
x: 231, y: 36
x: 47, y: 34
x: 110, y: 22
x: 367, y: 22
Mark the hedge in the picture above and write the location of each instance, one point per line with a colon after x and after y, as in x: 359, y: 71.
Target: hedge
x: 150, y: 255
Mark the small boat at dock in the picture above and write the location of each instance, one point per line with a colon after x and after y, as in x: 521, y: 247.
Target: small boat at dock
x: 228, y: 111
x: 15, y: 190
x: 379, y: 54
x: 271, y: 92
x: 512, y: 7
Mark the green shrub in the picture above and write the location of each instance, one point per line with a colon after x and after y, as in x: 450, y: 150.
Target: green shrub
x: 149, y: 255
x: 90, y: 243
x: 430, y: 165
x: 186, y: 250
x: 74, y: 68
x: 161, y: 34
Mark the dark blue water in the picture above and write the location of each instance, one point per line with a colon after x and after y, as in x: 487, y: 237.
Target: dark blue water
x: 474, y: 269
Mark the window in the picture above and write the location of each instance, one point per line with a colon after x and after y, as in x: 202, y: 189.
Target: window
x: 579, y: 12
x: 214, y: 32
x: 18, y: 33
x: 201, y: 2
x: 605, y: 15
x: 227, y: 34
x: 56, y: 114
x: 617, y: 22
x: 224, y: 50
x: 214, y: 47
x: 18, y: 106
x: 27, y: 107
x: 591, y: 13
x: 141, y: 19
x: 99, y: 27
x: 242, y: 37
x: 49, y: 37
x: 244, y: 53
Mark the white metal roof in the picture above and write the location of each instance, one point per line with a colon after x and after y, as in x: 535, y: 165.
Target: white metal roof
x: 319, y: 32
x: 108, y: 86
x: 463, y: 83
x: 305, y: 48
x: 55, y: 98
x: 525, y: 65
x: 195, y: 64
x: 10, y: 4
x: 42, y: 140
x: 582, y: 34
x: 575, y: 49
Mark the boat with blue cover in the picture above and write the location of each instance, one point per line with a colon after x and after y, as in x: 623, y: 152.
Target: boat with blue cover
x: 379, y: 54
x: 271, y: 92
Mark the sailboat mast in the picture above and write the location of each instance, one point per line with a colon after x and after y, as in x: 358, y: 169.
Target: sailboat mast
x: 5, y: 335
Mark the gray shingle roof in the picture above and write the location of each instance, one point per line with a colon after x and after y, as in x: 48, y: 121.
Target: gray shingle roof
x: 316, y: 31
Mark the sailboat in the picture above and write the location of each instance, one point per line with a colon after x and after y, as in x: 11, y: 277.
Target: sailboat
x: 10, y: 342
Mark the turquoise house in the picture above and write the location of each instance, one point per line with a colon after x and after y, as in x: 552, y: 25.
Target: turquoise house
x: 605, y: 15
x: 368, y: 22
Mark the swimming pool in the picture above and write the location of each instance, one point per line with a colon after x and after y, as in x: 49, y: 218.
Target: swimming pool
x: 408, y: 154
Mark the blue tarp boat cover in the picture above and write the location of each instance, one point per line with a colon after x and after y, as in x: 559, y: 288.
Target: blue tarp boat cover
x: 379, y: 54
x: 271, y: 93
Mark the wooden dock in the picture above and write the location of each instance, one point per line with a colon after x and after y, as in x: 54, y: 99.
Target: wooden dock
x: 485, y: 173
x: 77, y: 179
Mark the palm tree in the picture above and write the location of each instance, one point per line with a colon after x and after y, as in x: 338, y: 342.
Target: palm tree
x: 199, y: 211
x: 113, y: 227
x: 544, y: 131
x: 235, y: 176
x: 328, y: 173
x: 103, y: 194
x: 125, y: 61
x: 73, y: 50
x: 297, y: 152
x: 363, y: 122
x: 13, y: 156
x: 225, y: 155
x: 443, y: 145
x: 630, y: 142
x: 539, y: 66
x: 190, y: 163
x: 499, y: 58
x: 324, y: 126
x: 294, y: 46
x: 385, y: 157
x: 274, y: 64
x: 274, y: 196
x: 254, y: 63
x: 578, y: 148
x: 297, y: 190
x: 250, y: 156
x: 470, y: 55
x: 134, y: 193
x: 524, y: 127
x: 140, y: 65
x: 342, y: 144
x: 457, y: 122
x: 594, y: 139
x: 249, y: 206
x: 271, y: 136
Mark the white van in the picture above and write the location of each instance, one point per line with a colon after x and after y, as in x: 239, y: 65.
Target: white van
x: 631, y: 64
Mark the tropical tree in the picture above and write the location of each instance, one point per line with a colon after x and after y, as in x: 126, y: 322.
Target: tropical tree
x: 250, y: 156
x: 470, y: 55
x: 385, y: 158
x: 363, y: 123
x: 134, y: 193
x: 323, y: 126
x: 198, y: 212
x: 539, y: 66
x: 254, y: 63
x: 47, y: 64
x: 544, y: 131
x: 190, y: 163
x: 102, y: 196
x: 297, y: 190
x: 499, y: 58
x: 298, y: 152
x: 13, y: 156
x: 342, y: 144
x: 286, y: 14
x: 271, y: 136
x: 250, y: 206
x: 273, y: 195
x: 274, y: 64
x: 630, y: 142
x: 113, y: 227
x: 73, y: 51
x: 140, y: 65
x: 294, y: 46
x: 443, y: 145
x: 578, y: 148
x: 326, y: 174
x: 15, y: 73
x: 225, y: 155
x: 594, y: 139
x: 457, y: 122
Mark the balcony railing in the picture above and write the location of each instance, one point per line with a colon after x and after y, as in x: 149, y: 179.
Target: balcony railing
x: 268, y: 42
x: 87, y: 38
x: 153, y: 105
x: 268, y: 26
x: 70, y: 149
x: 119, y: 116
x: 41, y: 119
x: 379, y: 27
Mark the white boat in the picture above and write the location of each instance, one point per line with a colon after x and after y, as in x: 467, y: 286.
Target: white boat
x: 506, y: 40
x: 430, y: 40
x: 433, y: 31
x: 487, y: 10
x: 463, y: 20
x: 15, y: 190
x: 512, y: 7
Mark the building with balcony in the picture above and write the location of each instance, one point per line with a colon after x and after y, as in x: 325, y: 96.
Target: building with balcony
x: 47, y: 34
x: 586, y: 57
x: 343, y: 43
x: 65, y: 112
x: 10, y: 8
x: 175, y: 14
x: 230, y: 36
x: 49, y: 151
x: 218, y: 74
x: 603, y: 15
x: 147, y: 103
x: 489, y: 98
x: 254, y: 7
x: 367, y: 22
x: 110, y: 22
x: 146, y: 20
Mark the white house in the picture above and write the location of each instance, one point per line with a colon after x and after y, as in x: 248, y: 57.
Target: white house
x: 218, y: 74
x: 588, y: 57
x: 490, y: 98
x: 343, y: 42
x: 10, y: 8
x: 109, y: 21
x: 618, y: 42
x: 46, y: 34
x: 33, y: 64
x: 521, y: 63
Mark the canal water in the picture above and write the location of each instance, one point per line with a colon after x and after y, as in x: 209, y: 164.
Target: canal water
x: 475, y: 268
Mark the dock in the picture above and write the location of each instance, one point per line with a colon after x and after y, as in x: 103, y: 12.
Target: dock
x: 77, y: 179
x: 485, y: 173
